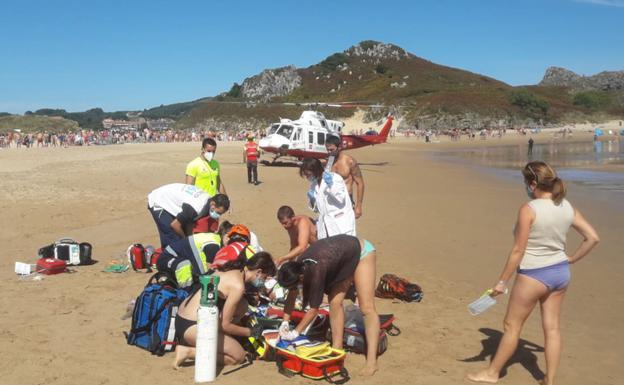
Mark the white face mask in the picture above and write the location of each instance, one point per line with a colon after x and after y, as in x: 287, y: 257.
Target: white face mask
x: 208, y: 155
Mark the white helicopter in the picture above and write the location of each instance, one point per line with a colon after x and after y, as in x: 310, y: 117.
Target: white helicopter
x: 305, y: 137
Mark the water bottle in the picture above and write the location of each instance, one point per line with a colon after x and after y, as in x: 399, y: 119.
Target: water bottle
x: 483, y: 303
x: 330, y: 163
x: 207, y: 330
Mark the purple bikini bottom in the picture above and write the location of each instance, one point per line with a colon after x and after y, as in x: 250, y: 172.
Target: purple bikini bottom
x: 555, y: 277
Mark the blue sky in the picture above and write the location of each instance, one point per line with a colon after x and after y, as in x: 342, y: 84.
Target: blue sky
x: 131, y: 55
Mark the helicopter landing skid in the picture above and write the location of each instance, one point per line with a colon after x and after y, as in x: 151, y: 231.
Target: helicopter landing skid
x: 286, y: 163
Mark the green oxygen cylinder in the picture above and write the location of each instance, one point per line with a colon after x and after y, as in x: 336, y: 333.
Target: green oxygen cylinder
x: 207, y: 330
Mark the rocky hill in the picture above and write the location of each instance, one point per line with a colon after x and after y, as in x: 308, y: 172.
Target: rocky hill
x: 271, y: 83
x: 423, y: 93
x: 604, y: 81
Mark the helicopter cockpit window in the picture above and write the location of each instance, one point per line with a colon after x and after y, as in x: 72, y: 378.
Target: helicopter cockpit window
x: 320, y: 138
x: 285, y: 131
x: 273, y: 128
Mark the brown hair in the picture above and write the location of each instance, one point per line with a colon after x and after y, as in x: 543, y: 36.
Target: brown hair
x: 285, y: 212
x: 313, y: 165
x: 545, y: 178
x: 259, y: 261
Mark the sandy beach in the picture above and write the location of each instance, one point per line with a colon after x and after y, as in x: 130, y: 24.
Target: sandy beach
x: 446, y: 226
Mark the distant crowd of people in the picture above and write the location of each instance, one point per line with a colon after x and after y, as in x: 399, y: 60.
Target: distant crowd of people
x: 456, y: 134
x: 16, y: 139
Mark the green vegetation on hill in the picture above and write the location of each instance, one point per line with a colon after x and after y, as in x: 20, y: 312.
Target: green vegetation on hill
x: 332, y: 62
x: 592, y: 100
x: 170, y: 111
x: 90, y: 119
x: 236, y: 91
x: 529, y: 103
x: 236, y: 112
x: 34, y: 123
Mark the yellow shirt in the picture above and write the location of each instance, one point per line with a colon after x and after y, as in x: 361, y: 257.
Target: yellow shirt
x: 205, y: 173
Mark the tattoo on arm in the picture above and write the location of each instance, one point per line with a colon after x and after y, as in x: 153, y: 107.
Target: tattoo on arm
x: 355, y: 170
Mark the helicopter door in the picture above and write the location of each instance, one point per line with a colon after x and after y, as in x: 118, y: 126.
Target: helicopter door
x: 320, y: 142
x: 297, y: 140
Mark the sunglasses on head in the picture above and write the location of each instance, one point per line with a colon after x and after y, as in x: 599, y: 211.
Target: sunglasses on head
x: 534, y: 174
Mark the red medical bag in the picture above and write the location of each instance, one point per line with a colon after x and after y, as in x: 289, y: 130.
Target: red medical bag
x: 51, y: 266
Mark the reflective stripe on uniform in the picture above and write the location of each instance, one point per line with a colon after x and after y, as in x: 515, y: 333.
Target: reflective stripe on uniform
x: 199, y: 241
x: 184, y: 273
x: 199, y: 261
x: 171, y: 251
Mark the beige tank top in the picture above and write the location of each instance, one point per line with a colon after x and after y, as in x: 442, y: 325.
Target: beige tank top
x: 547, y: 237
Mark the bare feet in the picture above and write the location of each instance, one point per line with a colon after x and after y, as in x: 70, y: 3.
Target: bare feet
x: 369, y: 370
x: 182, y: 353
x: 482, y: 376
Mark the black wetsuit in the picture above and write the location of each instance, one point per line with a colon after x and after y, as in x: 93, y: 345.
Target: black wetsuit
x: 334, y: 259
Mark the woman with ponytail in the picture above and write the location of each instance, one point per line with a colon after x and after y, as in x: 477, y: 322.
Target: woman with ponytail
x: 233, y: 276
x: 330, y: 266
x: 540, y: 260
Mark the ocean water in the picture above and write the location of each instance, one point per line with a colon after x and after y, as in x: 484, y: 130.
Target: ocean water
x: 572, y: 160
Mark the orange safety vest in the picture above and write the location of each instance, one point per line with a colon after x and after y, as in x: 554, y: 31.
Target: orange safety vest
x: 251, y: 150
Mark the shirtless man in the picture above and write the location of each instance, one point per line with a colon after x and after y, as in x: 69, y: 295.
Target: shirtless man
x: 349, y: 170
x: 301, y: 230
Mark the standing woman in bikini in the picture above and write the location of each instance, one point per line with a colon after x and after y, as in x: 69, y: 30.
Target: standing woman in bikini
x: 542, y: 266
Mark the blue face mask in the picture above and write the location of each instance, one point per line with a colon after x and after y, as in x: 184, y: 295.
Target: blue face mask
x: 258, y: 283
x: 530, y: 193
x: 214, y: 214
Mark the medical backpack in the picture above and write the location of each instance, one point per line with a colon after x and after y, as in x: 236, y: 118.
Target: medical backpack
x: 153, y: 318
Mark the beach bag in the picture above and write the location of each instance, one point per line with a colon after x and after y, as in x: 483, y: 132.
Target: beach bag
x: 386, y: 323
x: 312, y: 360
x: 355, y: 341
x: 153, y: 318
x: 392, y: 286
x: 354, y: 319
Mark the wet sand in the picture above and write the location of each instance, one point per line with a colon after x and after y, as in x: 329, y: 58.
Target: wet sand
x: 444, y: 225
